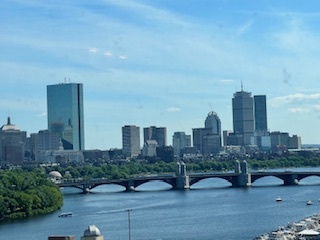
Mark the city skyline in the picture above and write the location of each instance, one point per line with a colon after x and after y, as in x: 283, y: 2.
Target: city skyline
x: 161, y: 63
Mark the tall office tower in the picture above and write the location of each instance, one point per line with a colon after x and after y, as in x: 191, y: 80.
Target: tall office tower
x: 156, y: 133
x: 243, y: 116
x: 65, y: 114
x: 131, y: 140
x: 260, y: 113
x: 180, y: 140
x: 213, y: 122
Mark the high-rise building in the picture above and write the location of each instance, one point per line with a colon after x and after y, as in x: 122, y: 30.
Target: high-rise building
x: 65, y: 113
x: 208, y: 139
x: 213, y: 122
x: 260, y: 113
x: 131, y: 141
x: 279, y: 139
x: 243, y: 116
x: 180, y: 140
x: 158, y: 134
x: 295, y: 142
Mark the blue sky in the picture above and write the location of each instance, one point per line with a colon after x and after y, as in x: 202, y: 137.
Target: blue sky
x: 161, y: 63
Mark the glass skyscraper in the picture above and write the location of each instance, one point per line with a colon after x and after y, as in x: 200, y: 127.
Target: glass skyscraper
x: 65, y: 113
x: 260, y: 113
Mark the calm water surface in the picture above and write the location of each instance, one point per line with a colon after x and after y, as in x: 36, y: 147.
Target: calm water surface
x: 210, y: 210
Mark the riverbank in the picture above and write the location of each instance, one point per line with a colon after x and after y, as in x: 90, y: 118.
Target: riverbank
x: 307, y: 228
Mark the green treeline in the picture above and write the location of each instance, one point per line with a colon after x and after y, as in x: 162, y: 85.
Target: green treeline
x: 135, y: 168
x: 27, y: 193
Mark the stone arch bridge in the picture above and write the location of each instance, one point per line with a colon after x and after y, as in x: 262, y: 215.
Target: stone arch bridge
x: 241, y: 177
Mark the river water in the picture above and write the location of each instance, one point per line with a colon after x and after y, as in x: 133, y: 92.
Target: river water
x: 211, y: 209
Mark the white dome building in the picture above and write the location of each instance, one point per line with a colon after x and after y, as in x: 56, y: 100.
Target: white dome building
x: 92, y: 233
x: 55, y: 176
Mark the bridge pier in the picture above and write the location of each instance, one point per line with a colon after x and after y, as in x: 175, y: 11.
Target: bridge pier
x: 291, y: 180
x: 182, y: 180
x: 86, y: 188
x: 130, y: 187
x: 244, y: 177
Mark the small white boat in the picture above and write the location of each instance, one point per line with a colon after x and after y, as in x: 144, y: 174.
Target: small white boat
x: 67, y: 214
x: 309, y: 202
x: 278, y: 199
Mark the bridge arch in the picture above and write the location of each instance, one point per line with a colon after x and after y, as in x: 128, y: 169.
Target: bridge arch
x: 153, y: 185
x: 195, y: 180
x: 210, y: 182
x: 309, y: 180
x: 267, y: 181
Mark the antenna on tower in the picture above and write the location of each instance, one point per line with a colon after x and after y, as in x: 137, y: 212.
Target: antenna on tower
x: 241, y: 85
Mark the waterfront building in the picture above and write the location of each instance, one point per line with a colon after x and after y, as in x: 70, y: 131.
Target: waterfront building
x: 131, y: 140
x: 158, y: 134
x: 243, y: 116
x: 12, y: 144
x: 279, y: 139
x: 180, y: 140
x: 65, y: 114
x: 295, y: 142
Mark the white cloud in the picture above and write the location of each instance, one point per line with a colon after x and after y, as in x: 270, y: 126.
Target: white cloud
x: 298, y: 110
x: 226, y: 80
x: 173, y: 109
x: 297, y: 97
x: 93, y: 50
x: 43, y: 114
x: 123, y: 57
x: 108, y: 54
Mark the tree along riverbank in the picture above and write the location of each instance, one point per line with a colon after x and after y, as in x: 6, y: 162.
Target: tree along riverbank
x: 27, y: 193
